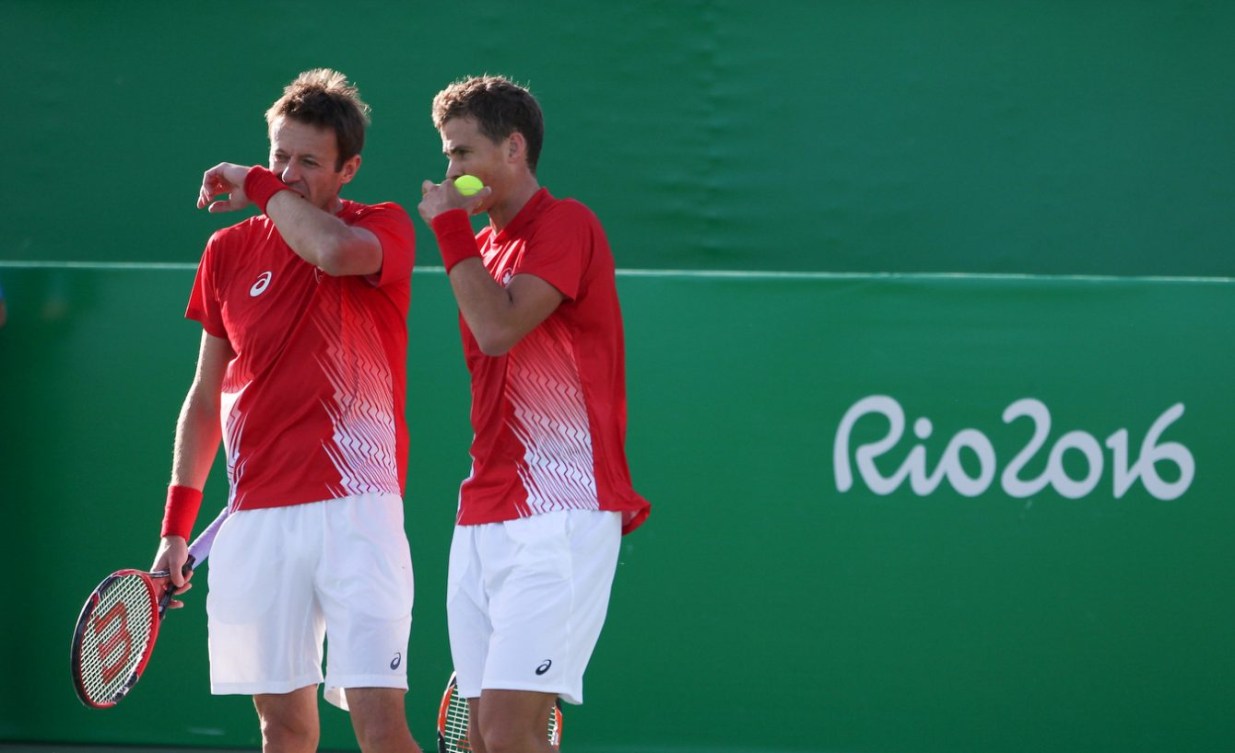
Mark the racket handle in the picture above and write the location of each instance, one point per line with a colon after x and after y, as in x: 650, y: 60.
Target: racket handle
x: 199, y: 550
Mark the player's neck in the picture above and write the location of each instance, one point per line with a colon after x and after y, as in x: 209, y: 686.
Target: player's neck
x: 500, y: 215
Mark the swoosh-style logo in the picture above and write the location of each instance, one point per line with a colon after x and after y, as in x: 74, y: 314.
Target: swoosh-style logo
x: 263, y: 282
x: 395, y: 662
x: 544, y: 667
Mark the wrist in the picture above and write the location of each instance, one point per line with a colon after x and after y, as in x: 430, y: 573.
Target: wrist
x: 180, y: 513
x: 455, y: 239
x: 260, y: 185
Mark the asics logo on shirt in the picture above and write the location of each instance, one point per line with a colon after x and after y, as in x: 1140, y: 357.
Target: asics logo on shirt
x: 395, y: 662
x: 263, y: 282
x: 544, y: 666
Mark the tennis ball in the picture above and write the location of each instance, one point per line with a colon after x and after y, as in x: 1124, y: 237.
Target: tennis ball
x: 468, y: 184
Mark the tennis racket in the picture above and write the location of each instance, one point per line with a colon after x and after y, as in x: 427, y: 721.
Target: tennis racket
x: 117, y: 627
x: 452, y: 722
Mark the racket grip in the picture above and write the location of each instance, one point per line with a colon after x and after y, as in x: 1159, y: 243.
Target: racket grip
x: 199, y: 550
x: 166, y: 598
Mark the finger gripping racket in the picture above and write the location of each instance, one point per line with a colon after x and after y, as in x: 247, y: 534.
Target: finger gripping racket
x: 119, y: 623
x: 452, y: 718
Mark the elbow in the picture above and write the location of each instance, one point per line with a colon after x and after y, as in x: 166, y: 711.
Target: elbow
x: 331, y: 264
x: 495, y: 341
x: 494, y: 346
x: 342, y: 259
x: 334, y: 261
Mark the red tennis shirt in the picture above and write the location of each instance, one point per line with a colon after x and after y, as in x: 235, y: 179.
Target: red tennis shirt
x: 313, y: 402
x: 549, y: 416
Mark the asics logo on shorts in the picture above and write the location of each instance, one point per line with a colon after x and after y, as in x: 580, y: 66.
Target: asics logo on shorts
x: 544, y: 666
x: 263, y: 282
x: 395, y: 662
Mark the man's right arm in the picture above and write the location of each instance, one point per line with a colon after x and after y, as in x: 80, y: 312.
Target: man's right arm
x: 198, y: 432
x: 199, y: 429
x: 499, y: 316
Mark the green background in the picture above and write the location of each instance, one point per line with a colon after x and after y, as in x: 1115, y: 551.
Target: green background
x: 957, y: 205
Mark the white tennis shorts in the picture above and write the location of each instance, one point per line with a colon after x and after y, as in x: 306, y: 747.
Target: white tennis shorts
x: 526, y: 599
x: 281, y: 579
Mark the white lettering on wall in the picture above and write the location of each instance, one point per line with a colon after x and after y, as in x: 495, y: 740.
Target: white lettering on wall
x: 923, y: 481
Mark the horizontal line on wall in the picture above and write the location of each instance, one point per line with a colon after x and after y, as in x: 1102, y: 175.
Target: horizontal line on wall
x: 122, y: 265
x: 757, y: 274
x: 701, y: 273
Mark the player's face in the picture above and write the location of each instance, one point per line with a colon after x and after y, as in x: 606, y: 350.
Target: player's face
x: 470, y: 152
x: 305, y: 156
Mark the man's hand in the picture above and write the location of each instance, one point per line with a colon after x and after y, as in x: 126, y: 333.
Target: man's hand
x: 223, y: 178
x: 437, y: 198
x: 172, y: 554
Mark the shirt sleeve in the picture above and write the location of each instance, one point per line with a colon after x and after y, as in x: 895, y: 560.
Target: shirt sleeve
x: 393, y: 228
x: 562, y: 248
x: 204, y: 305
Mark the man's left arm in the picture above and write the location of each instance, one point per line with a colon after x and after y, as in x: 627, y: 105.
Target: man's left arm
x: 322, y: 239
x: 318, y: 237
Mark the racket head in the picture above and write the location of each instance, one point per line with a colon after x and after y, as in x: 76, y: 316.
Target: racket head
x: 452, y: 720
x: 115, y: 636
x: 555, y: 725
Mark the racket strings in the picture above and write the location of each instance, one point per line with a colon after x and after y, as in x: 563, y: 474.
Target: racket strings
x: 454, y: 726
x: 555, y: 726
x: 114, y: 639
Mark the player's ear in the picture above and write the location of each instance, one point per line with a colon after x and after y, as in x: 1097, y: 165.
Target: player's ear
x: 349, y: 169
x: 516, y: 147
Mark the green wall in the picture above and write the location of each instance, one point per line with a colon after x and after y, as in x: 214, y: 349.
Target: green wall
x: 1079, y: 136
x: 766, y: 605
x: 940, y: 210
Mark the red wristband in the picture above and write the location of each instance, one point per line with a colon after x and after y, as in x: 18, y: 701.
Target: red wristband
x: 183, y: 502
x: 260, y: 184
x: 455, y: 239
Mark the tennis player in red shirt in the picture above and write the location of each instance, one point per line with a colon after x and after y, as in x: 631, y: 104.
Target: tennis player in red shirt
x: 301, y: 375
x: 549, y: 495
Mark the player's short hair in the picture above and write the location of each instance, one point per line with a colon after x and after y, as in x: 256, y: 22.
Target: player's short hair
x: 324, y: 98
x: 500, y: 107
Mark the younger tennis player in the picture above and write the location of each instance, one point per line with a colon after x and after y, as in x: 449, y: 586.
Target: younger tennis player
x: 549, y: 496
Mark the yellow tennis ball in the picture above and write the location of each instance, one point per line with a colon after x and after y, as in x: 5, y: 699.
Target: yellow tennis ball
x: 468, y: 184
